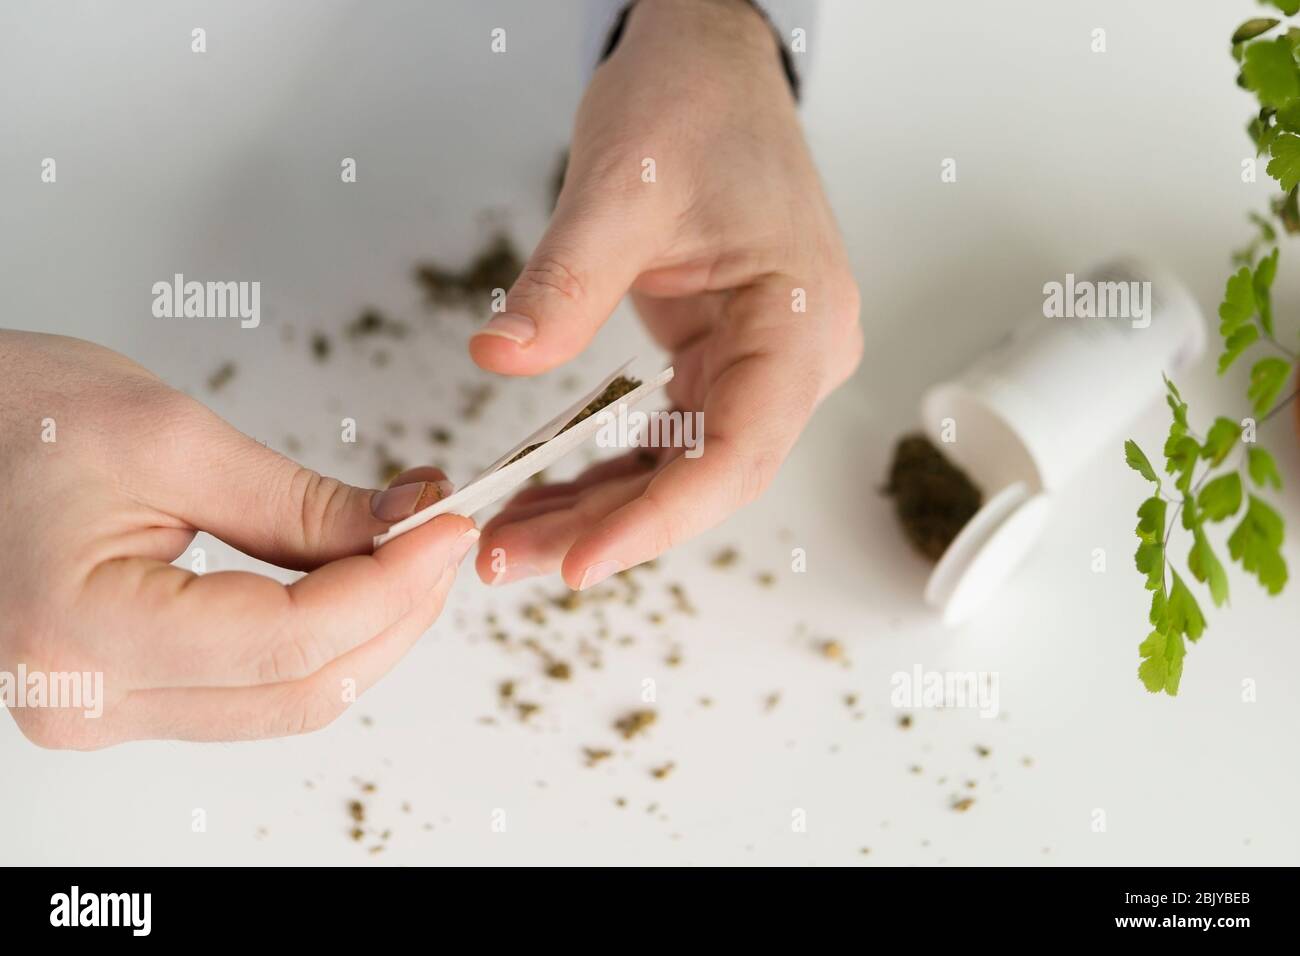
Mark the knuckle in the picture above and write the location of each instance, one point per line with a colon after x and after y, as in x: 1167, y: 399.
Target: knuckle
x: 321, y: 503
x: 547, y: 274
x: 293, y: 656
x: 308, y: 711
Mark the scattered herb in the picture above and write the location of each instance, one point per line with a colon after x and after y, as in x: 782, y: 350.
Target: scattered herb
x: 496, y: 266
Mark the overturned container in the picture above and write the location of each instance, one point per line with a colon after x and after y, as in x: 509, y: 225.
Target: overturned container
x: 1029, y: 413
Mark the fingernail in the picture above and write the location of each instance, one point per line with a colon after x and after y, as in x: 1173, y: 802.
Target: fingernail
x: 402, y: 501
x: 434, y: 491
x: 398, y: 502
x: 597, y: 573
x: 509, y: 325
x: 460, y: 547
x: 515, y: 572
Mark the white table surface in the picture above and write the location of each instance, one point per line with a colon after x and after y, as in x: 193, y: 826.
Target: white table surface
x: 225, y: 165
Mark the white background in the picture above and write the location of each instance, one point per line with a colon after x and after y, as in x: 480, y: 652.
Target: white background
x: 226, y: 166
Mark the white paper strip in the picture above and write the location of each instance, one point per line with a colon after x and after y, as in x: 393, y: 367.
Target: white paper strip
x: 552, y: 428
x: 499, y: 479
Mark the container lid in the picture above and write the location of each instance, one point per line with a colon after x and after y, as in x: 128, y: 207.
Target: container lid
x: 986, y: 552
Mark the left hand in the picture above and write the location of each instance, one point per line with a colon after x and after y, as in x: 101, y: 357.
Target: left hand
x: 715, y: 251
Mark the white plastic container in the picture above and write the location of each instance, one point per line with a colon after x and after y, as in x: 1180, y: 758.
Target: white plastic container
x: 1052, y: 394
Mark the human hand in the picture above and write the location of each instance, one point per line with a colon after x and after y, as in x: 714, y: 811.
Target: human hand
x: 716, y: 251
x: 90, y: 521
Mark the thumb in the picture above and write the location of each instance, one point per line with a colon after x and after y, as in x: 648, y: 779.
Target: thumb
x: 575, y: 278
x: 279, y: 511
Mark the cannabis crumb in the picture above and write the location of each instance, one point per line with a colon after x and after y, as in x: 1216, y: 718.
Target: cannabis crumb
x: 963, y: 804
x: 680, y: 601
x: 635, y: 722
x: 558, y: 670
x: 982, y: 751
x: 905, y: 722
x: 526, y: 709
x: 475, y: 398
x: 663, y: 770
x: 595, y: 755
x: 831, y: 650
x: 221, y: 377
x: 725, y: 558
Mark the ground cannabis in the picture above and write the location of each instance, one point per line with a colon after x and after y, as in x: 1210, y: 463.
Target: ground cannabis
x: 934, y: 498
x: 495, y: 267
x: 612, y: 393
x: 372, y: 322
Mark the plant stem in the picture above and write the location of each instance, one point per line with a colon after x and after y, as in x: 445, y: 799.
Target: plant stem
x: 1268, y: 337
x: 1283, y: 404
